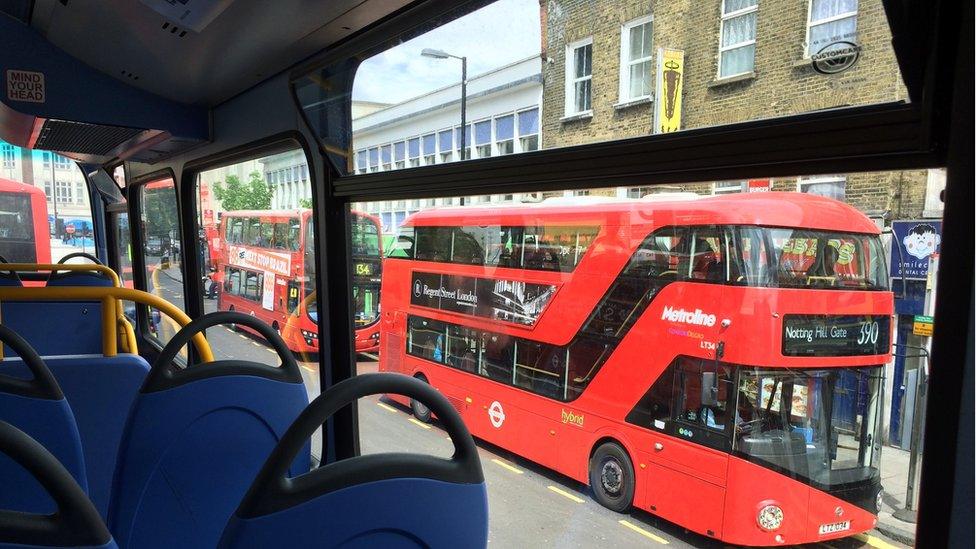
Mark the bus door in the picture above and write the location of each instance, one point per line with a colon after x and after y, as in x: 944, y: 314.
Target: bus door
x: 686, y: 473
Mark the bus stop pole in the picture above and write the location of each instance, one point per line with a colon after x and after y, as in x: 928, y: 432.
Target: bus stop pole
x: 909, y: 513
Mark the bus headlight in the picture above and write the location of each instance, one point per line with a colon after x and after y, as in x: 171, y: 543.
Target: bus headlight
x: 877, y: 500
x: 770, y: 518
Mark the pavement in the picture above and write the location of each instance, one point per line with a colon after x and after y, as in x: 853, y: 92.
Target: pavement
x: 894, y: 479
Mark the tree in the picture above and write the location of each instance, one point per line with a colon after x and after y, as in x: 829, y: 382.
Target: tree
x: 253, y: 195
x: 305, y: 203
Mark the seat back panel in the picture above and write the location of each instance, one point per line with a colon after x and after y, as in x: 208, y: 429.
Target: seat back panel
x: 402, y: 512
x: 52, y: 424
x: 100, y: 391
x: 190, y: 453
x: 56, y: 327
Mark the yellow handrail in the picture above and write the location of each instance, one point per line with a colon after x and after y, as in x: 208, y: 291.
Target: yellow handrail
x: 36, y: 267
x: 108, y: 296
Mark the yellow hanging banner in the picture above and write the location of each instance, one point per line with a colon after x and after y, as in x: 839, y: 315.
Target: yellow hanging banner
x: 667, y: 97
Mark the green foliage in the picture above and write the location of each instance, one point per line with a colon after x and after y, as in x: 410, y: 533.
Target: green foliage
x: 235, y: 195
x: 160, y: 212
x: 305, y: 203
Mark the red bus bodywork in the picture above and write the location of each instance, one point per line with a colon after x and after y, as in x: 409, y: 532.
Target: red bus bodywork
x: 37, y: 240
x: 287, y: 273
x: 715, y: 493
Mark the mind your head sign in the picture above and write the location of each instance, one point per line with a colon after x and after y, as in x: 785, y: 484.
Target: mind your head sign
x: 912, y: 244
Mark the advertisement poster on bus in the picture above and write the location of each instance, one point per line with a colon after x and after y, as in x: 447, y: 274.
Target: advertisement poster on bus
x: 260, y: 260
x: 911, y: 245
x: 267, y: 295
x: 497, y: 299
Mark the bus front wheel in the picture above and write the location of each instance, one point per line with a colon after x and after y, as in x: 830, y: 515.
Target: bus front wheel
x: 420, y: 411
x: 612, y: 477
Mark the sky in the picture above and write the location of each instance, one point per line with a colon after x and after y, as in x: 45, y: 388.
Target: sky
x: 491, y: 37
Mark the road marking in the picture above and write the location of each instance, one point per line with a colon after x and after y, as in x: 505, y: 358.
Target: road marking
x: 256, y: 344
x: 875, y: 542
x: 419, y: 423
x: 387, y: 407
x: 242, y: 336
x: 566, y: 494
x: 307, y: 368
x: 370, y: 356
x: 643, y: 532
x: 511, y: 468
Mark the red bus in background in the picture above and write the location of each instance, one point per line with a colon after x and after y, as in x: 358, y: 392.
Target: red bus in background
x: 267, y: 262
x: 25, y: 236
x: 717, y: 362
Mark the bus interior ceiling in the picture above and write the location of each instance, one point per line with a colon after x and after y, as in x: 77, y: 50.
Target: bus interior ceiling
x: 169, y: 96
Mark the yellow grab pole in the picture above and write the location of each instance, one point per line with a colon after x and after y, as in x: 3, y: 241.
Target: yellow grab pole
x: 110, y: 345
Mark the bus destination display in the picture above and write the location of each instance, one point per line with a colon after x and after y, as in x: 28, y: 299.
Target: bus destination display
x: 835, y: 335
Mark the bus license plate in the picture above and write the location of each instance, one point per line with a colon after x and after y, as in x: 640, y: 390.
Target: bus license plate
x: 835, y: 527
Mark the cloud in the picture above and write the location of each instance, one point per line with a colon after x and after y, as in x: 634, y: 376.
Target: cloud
x: 494, y: 36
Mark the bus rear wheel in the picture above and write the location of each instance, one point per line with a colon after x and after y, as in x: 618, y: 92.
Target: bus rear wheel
x: 420, y: 410
x: 612, y: 477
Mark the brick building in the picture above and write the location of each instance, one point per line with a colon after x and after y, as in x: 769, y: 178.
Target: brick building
x: 744, y: 60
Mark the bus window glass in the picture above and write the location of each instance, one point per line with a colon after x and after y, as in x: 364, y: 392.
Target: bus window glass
x: 570, y: 78
x: 691, y: 386
x: 796, y: 420
x: 498, y: 356
x: 255, y: 230
x: 159, y: 222
x: 434, y: 243
x: 45, y: 213
x: 463, y: 348
x: 659, y: 315
x: 402, y: 244
x: 281, y: 238
x: 806, y: 258
x: 426, y: 338
x: 469, y: 243
x: 123, y: 240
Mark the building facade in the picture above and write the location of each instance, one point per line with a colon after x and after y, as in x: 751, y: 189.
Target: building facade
x: 743, y: 60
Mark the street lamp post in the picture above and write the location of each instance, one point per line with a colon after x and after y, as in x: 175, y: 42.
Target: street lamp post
x: 438, y: 54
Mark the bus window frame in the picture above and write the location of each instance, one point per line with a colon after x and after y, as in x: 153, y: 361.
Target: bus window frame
x: 336, y: 355
x: 134, y: 192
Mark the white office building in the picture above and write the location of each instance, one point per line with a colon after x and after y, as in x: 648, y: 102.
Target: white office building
x: 502, y: 118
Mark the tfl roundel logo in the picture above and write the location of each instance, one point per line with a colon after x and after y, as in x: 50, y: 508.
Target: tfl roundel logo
x: 496, y: 414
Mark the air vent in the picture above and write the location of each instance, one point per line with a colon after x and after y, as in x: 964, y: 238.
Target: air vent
x: 174, y: 30
x: 82, y: 138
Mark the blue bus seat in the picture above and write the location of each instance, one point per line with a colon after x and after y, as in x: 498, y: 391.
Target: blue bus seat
x: 36, y: 406
x: 101, y: 391
x: 195, y: 439
x: 378, y: 500
x: 75, y: 522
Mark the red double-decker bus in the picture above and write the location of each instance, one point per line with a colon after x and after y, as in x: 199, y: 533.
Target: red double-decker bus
x: 25, y: 235
x: 266, y: 259
x: 716, y: 362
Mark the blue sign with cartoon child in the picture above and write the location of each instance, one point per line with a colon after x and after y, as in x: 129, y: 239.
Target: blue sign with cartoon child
x: 912, y: 244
